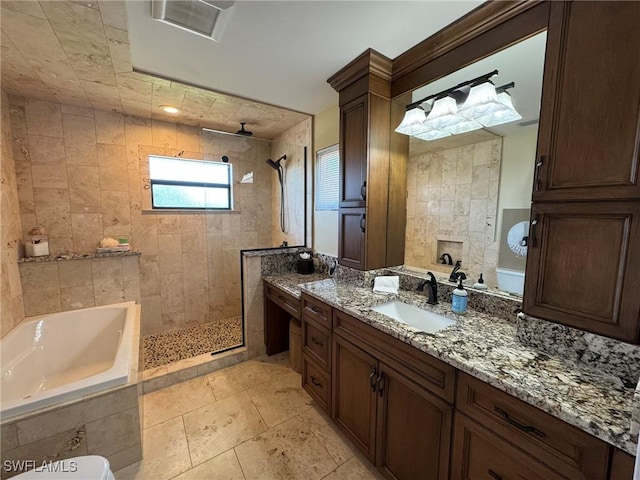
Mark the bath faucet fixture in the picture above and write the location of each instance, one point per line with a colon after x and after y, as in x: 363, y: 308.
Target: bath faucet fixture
x: 446, y: 261
x: 455, y: 274
x: 432, y: 285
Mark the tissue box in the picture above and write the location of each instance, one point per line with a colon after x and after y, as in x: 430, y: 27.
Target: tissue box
x: 36, y: 249
x: 305, y: 266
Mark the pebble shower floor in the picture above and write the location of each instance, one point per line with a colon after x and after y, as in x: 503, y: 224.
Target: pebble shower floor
x: 163, y: 348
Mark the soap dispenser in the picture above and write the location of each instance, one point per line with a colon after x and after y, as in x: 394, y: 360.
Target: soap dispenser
x: 480, y: 285
x: 459, y: 299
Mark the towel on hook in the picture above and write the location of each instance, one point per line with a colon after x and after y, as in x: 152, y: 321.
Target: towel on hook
x: 387, y: 284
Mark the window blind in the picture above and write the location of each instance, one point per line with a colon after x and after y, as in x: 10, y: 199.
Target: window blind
x: 327, y: 178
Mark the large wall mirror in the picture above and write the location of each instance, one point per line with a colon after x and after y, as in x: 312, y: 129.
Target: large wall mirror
x: 469, y: 194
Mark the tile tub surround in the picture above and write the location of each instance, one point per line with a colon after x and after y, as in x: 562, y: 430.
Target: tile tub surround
x: 107, y: 424
x: 169, y: 347
x: 251, y: 421
x: 62, y: 285
x: 80, y: 174
x: 486, y: 348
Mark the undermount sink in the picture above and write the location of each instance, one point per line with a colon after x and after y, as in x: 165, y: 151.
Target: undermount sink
x: 413, y: 316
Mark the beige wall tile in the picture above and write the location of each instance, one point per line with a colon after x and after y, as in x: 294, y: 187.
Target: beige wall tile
x: 151, y: 314
x: 108, y: 283
x: 171, y: 291
x: 116, y: 215
x: 196, y: 306
x: 41, y: 289
x: 170, y: 253
x: 168, y: 224
x: 74, y: 298
x: 173, y: 321
x: 110, y: 128
x: 75, y: 273
x: 87, y: 231
x: 76, y: 415
x: 84, y: 189
x: 8, y: 436
x: 52, y: 211
x: 163, y: 134
x: 43, y: 118
x: 80, y: 139
x: 145, y: 234
x: 113, y: 433
x: 194, y: 270
x: 125, y: 457
x: 114, y: 175
x: 149, y: 275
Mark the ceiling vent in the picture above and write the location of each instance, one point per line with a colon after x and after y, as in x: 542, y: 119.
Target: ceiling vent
x: 206, y: 18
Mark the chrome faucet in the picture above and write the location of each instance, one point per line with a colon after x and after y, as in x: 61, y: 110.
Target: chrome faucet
x: 432, y: 284
x: 455, y: 274
x: 448, y: 260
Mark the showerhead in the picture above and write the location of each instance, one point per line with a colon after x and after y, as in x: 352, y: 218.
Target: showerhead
x: 276, y: 165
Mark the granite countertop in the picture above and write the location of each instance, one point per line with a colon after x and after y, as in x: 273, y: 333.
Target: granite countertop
x: 78, y: 256
x: 486, y: 348
x: 290, y: 282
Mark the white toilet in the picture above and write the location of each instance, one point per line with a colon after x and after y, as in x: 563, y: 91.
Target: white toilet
x: 89, y: 467
x: 509, y: 280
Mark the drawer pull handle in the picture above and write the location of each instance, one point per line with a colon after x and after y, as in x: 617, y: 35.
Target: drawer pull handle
x: 533, y: 240
x: 316, y: 310
x: 363, y: 223
x: 363, y: 190
x: 537, y: 183
x: 380, y: 383
x: 315, y: 340
x: 315, y: 381
x: 524, y: 428
x: 372, y: 379
x: 281, y: 298
x: 494, y: 475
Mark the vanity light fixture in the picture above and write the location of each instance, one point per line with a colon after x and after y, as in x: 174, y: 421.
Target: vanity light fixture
x: 466, y: 107
x: 170, y: 109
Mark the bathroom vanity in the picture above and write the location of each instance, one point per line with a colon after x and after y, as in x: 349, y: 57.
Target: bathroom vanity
x: 467, y: 401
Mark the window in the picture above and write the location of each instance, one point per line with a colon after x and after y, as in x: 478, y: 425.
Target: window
x: 327, y: 178
x: 189, y: 184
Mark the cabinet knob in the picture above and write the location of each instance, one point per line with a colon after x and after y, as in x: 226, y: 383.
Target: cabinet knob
x: 380, y: 383
x: 315, y: 340
x: 315, y: 381
x: 372, y: 379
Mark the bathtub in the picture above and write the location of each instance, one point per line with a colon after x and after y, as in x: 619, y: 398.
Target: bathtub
x: 62, y: 357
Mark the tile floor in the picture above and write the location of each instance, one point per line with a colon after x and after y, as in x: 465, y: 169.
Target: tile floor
x: 251, y: 421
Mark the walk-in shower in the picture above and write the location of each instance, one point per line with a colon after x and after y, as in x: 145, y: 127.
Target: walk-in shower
x: 277, y: 165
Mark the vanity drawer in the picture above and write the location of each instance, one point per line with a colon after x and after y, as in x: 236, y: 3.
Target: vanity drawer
x: 316, y: 343
x: 316, y: 382
x: 563, y: 447
x: 478, y: 453
x: 316, y: 310
x: 283, y: 300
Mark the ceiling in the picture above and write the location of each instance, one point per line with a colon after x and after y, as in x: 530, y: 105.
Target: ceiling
x: 269, y: 69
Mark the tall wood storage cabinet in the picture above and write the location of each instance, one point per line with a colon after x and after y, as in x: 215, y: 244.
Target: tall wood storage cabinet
x: 372, y: 166
x: 583, y: 264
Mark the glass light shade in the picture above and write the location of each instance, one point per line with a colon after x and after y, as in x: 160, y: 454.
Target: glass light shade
x: 412, y: 121
x: 482, y: 100
x: 505, y: 115
x: 463, y: 126
x: 432, y: 134
x: 443, y: 114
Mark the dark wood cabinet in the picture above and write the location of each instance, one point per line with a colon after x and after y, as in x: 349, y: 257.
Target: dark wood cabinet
x: 396, y: 422
x: 279, y: 308
x: 413, y: 429
x: 479, y: 454
x: 582, y: 266
x: 583, y: 263
x: 589, y: 136
x: 354, y: 130
x: 372, y: 197
x: 622, y: 465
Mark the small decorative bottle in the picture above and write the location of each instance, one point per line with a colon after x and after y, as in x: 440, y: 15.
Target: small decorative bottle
x: 459, y: 299
x: 480, y: 285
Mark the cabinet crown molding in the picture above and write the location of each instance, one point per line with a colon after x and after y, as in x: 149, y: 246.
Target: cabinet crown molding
x: 369, y: 62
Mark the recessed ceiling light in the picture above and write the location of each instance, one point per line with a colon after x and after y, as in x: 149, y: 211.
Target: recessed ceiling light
x: 170, y: 109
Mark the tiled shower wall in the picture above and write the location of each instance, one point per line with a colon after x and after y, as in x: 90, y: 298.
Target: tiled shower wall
x: 80, y: 173
x: 452, y: 196
x: 292, y: 143
x: 11, y: 303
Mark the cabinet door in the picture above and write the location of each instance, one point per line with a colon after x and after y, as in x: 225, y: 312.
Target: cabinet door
x: 414, y: 429
x: 354, y: 394
x: 590, y: 114
x: 351, y: 237
x: 478, y: 454
x: 583, y: 266
x: 354, y: 128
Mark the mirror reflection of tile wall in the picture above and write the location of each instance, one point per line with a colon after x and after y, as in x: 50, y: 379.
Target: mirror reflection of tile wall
x: 452, y: 198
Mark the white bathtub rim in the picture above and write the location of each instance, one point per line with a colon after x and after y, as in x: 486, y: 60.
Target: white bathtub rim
x: 127, y: 367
